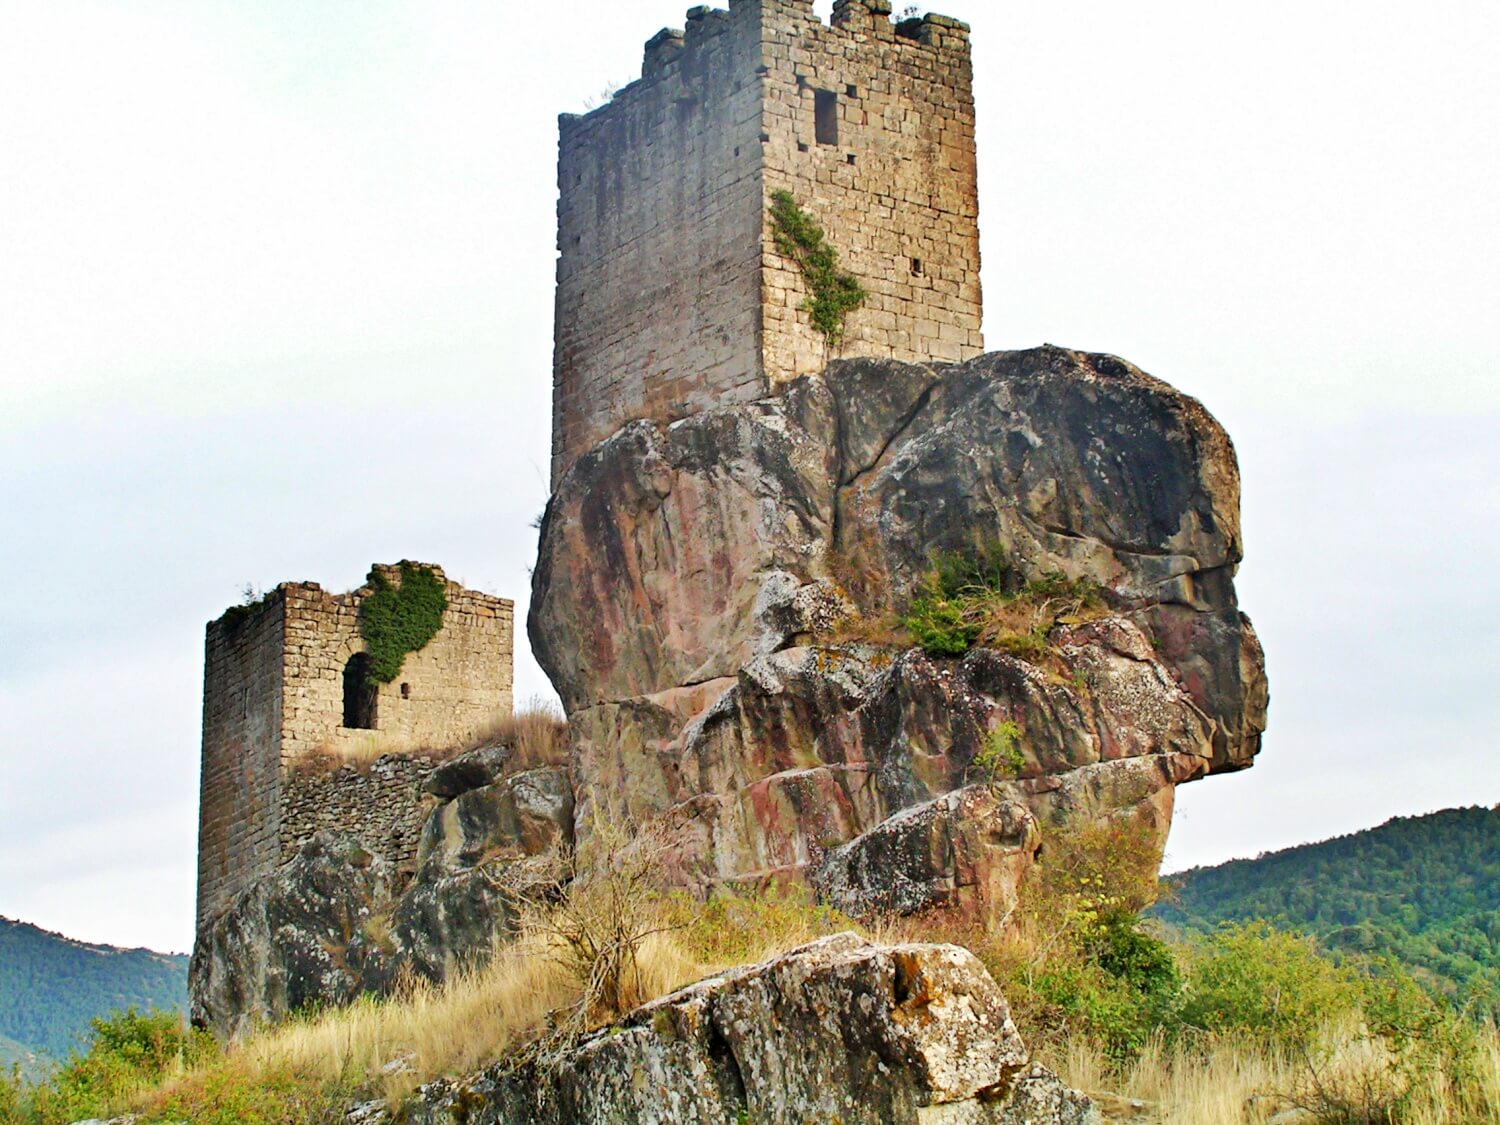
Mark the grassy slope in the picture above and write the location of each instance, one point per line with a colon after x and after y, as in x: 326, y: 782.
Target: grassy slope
x: 51, y: 986
x: 1425, y: 890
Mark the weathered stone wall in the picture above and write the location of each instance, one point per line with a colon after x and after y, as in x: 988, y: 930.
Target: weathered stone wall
x: 448, y: 694
x: 896, y: 193
x: 658, y: 224
x: 671, y: 297
x: 381, y: 804
x: 273, y: 709
x: 239, y: 805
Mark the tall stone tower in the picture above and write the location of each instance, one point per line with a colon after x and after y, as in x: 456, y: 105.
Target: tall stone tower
x: 671, y: 294
x: 284, y: 684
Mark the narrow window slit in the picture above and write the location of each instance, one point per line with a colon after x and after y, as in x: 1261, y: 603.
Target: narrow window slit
x: 826, y: 117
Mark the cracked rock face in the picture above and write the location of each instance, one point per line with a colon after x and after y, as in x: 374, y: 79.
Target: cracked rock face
x: 690, y: 577
x: 839, y: 1030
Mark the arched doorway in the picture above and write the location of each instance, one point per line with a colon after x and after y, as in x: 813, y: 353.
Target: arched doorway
x: 359, y: 693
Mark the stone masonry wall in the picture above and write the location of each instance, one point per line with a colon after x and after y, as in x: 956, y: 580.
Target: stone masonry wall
x: 671, y: 296
x: 658, y: 224
x: 447, y: 694
x: 380, y: 803
x: 896, y: 194
x: 239, y: 805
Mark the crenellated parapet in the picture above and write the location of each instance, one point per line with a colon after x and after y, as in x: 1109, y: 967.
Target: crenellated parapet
x: 671, y: 296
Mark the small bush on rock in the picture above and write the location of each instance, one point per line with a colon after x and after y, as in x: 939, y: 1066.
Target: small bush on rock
x: 977, y: 599
x: 1000, y: 754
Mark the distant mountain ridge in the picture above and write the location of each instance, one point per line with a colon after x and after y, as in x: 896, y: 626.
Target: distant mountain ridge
x: 51, y: 986
x: 1422, y: 889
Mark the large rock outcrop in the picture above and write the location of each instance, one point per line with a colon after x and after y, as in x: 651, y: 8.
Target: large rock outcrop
x: 839, y: 1030
x: 696, y: 581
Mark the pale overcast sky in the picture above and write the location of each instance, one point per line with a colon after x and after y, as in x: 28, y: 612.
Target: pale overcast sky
x: 276, y: 300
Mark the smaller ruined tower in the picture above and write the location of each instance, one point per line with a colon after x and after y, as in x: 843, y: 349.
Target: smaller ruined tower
x: 671, y: 294
x: 286, y: 685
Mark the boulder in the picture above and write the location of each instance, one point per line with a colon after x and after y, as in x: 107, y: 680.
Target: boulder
x: 470, y: 770
x: 337, y: 920
x: 838, y: 1030
x: 971, y: 846
x: 524, y: 814
x: 701, y: 587
x: 283, y: 943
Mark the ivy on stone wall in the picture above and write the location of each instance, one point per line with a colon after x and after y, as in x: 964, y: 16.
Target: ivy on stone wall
x: 835, y: 292
x: 396, y: 620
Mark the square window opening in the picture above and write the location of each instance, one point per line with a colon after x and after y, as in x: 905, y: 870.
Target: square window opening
x: 916, y: 267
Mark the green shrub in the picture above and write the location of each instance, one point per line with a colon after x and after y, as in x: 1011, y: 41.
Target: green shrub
x: 1115, y: 982
x: 976, y: 599
x: 127, y: 1053
x: 1267, y: 984
x: 231, y: 1096
x: 1000, y: 755
x: 940, y: 625
x: 396, y: 620
x: 1086, y: 1000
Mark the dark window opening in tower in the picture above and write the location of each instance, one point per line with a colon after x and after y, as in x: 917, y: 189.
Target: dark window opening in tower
x: 359, y: 693
x: 826, y: 117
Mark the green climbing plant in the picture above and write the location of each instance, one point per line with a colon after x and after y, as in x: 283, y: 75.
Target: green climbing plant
x: 398, y: 619
x: 835, y: 292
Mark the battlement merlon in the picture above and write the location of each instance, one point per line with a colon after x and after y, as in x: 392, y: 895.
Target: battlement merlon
x: 871, y: 18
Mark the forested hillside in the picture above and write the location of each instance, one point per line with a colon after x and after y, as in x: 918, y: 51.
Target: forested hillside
x: 1423, y: 889
x: 51, y: 986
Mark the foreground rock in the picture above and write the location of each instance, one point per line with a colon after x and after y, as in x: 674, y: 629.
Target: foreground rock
x: 840, y: 1030
x: 697, y: 582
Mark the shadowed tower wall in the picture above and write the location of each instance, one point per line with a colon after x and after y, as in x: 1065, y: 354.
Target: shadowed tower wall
x: 279, y: 711
x: 671, y: 296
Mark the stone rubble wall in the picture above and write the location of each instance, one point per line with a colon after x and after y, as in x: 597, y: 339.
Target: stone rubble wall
x: 381, y: 805
x: 671, y: 297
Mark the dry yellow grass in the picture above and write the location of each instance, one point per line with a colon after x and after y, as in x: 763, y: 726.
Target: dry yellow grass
x: 536, y: 731
x: 389, y: 1047
x: 1242, y: 1083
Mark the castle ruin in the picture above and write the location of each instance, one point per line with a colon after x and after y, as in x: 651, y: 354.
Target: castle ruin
x: 671, y: 294
x: 286, y: 690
